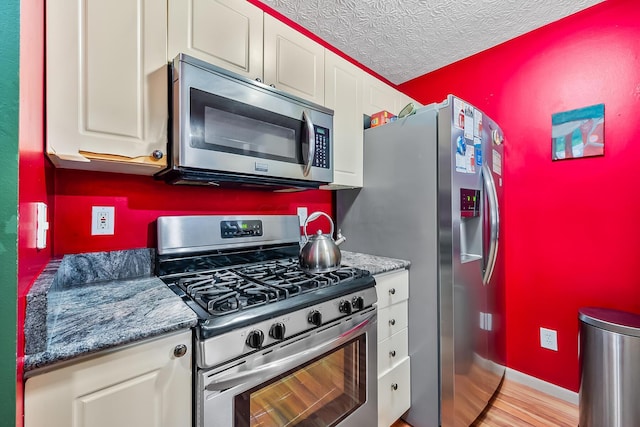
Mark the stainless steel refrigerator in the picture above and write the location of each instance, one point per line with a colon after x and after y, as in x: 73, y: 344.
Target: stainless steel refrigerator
x: 432, y: 194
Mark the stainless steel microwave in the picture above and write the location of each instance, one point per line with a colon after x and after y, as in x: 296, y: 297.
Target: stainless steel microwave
x: 227, y: 129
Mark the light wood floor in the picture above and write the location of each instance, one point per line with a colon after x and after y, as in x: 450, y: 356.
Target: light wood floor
x: 517, y: 405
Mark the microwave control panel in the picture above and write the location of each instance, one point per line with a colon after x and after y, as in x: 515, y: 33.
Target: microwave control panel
x: 322, y: 156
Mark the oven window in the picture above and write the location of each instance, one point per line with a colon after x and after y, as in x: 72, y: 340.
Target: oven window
x: 322, y: 392
x: 226, y: 125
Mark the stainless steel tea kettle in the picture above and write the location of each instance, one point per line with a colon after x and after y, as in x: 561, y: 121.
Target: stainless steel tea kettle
x: 320, y: 253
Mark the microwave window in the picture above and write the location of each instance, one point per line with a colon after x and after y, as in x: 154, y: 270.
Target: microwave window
x: 320, y: 393
x: 225, y: 125
x: 248, y: 136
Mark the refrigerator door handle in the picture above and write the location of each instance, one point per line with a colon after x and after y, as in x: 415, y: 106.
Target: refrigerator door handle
x: 489, y: 261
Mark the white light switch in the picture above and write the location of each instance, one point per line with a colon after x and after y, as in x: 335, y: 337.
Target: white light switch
x: 42, y: 225
x: 303, y: 212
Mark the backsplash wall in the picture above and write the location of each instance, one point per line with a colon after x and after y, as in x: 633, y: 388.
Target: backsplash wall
x: 140, y: 200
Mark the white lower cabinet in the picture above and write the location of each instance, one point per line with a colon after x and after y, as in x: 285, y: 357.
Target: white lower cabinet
x: 394, y: 393
x: 144, y: 385
x: 394, y: 397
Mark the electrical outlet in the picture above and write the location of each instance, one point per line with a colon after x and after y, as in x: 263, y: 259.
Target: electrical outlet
x: 102, y: 220
x: 549, y: 339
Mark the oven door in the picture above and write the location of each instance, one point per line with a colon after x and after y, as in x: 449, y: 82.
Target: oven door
x: 228, y: 124
x: 323, y: 378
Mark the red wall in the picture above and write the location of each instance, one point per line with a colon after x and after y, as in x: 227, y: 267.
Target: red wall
x: 139, y: 200
x: 35, y: 179
x: 571, y: 229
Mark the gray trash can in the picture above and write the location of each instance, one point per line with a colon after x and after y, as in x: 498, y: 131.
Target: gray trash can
x: 609, y: 368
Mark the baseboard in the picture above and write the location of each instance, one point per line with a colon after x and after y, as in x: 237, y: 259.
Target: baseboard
x: 543, y: 386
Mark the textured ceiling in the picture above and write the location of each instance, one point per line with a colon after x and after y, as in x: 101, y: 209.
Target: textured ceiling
x: 403, y: 39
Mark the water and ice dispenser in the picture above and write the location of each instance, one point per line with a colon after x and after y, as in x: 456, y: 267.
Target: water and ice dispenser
x: 470, y: 225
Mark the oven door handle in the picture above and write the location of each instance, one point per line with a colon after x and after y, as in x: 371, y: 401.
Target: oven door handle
x: 287, y: 363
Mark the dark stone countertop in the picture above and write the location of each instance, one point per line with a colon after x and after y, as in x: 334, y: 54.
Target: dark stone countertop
x: 87, y: 303
x: 83, y: 304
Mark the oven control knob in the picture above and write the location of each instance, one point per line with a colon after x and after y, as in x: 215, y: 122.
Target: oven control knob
x: 315, y: 318
x: 345, y: 307
x: 277, y: 331
x: 358, y: 303
x: 255, y: 339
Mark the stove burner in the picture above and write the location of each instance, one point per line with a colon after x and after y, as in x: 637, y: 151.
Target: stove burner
x: 230, y: 290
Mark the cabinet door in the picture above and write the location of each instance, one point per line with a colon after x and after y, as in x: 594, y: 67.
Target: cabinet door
x: 394, y: 393
x: 145, y: 385
x: 343, y: 94
x: 107, y: 84
x: 226, y: 33
x: 379, y: 96
x: 293, y: 62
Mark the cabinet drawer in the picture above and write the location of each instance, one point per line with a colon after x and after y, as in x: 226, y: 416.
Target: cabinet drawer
x: 394, y: 393
x: 392, y: 287
x: 392, y: 319
x: 393, y: 350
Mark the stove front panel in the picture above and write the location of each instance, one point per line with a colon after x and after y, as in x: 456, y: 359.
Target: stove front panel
x: 222, y: 348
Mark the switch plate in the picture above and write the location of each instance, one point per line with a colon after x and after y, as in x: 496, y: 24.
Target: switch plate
x: 42, y: 225
x: 303, y: 212
x: 549, y: 339
x: 102, y: 220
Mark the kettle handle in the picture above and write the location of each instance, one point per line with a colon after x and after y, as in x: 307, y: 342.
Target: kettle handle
x: 316, y: 215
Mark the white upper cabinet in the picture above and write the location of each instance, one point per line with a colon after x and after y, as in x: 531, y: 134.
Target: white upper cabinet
x: 379, y: 96
x: 106, y: 100
x: 240, y: 37
x: 293, y: 62
x: 343, y: 94
x: 226, y: 33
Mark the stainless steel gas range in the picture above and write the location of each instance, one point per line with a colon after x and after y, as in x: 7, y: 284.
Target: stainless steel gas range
x: 274, y: 345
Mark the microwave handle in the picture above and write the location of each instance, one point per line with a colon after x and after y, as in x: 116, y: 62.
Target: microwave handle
x: 311, y: 138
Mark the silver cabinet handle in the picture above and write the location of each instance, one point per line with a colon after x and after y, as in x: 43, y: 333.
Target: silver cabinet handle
x: 180, y: 350
x: 392, y: 322
x: 157, y: 154
x: 392, y: 353
x: 311, y: 138
x: 394, y: 386
x: 258, y: 79
x: 392, y: 291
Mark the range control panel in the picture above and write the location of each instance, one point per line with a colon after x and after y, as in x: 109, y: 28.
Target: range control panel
x: 240, y: 228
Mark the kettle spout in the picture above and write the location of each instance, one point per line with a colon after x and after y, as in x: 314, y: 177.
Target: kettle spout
x: 340, y: 238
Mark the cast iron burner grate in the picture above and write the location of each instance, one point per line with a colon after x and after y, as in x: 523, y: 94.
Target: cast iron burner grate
x: 230, y: 290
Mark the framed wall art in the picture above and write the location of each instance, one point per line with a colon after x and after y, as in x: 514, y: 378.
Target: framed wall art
x: 578, y: 133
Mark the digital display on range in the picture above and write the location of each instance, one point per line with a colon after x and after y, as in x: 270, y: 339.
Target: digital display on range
x: 469, y: 202
x: 233, y: 229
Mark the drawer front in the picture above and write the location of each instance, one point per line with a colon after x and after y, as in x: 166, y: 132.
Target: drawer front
x: 392, y: 287
x: 394, y: 393
x: 392, y: 319
x: 393, y: 350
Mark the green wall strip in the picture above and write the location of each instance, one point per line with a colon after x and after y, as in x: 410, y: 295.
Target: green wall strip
x: 9, y: 100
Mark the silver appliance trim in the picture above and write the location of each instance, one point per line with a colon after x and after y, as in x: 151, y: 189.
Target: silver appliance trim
x: 494, y: 224
x: 229, y: 378
x: 216, y: 388
x: 199, y: 233
x: 193, y: 164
